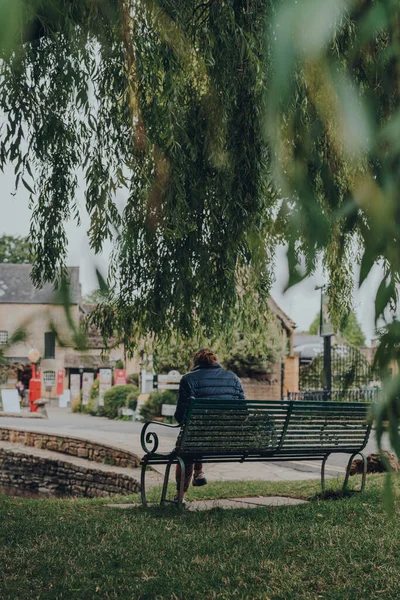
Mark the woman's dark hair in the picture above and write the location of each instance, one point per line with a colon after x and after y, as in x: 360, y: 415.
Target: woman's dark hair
x: 205, y: 357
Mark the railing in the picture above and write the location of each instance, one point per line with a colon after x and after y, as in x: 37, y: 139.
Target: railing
x: 338, y: 395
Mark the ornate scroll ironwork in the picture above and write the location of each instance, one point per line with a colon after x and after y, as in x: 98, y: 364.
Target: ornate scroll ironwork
x: 150, y: 437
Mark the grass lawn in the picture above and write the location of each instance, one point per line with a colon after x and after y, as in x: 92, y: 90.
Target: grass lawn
x: 347, y: 548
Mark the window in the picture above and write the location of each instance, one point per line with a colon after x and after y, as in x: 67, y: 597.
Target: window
x: 49, y: 345
x: 3, y: 337
x: 49, y: 378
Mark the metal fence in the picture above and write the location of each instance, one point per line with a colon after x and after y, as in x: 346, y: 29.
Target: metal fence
x: 350, y: 370
x: 368, y: 395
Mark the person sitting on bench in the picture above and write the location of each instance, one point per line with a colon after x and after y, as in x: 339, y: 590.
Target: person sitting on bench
x: 207, y: 380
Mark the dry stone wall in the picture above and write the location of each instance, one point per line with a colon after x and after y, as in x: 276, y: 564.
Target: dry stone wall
x: 100, y: 453
x: 58, y: 476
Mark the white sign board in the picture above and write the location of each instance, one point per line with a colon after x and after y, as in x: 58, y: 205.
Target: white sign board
x: 87, y: 381
x: 75, y: 385
x: 146, y: 380
x: 64, y: 399
x: 168, y: 386
x: 10, y: 401
x: 171, y: 377
x: 126, y: 412
x: 168, y: 410
x: 170, y: 381
x: 104, y: 384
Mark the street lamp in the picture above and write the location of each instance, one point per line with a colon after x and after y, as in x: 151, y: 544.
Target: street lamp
x: 95, y: 367
x: 326, y: 331
x: 81, y: 368
x: 112, y: 362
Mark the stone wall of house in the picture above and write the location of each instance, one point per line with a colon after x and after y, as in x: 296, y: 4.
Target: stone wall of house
x: 57, y: 476
x: 73, y: 446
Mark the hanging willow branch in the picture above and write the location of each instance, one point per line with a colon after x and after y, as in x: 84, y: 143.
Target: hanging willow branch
x: 168, y: 101
x: 136, y: 96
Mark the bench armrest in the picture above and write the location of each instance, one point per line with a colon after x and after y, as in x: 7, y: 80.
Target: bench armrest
x: 151, y: 437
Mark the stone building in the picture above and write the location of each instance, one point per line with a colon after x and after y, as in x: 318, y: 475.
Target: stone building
x: 50, y: 329
x: 284, y: 376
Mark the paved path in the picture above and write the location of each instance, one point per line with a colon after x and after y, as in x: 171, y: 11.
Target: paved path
x: 254, y: 502
x: 126, y: 435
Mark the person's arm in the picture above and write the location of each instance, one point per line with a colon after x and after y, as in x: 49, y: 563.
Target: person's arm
x: 240, y: 391
x: 183, y: 400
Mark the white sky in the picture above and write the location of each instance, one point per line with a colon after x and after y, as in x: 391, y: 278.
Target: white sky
x: 301, y: 302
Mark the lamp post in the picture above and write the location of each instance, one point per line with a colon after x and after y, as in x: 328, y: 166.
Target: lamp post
x: 326, y: 331
x: 112, y: 362
x: 81, y: 367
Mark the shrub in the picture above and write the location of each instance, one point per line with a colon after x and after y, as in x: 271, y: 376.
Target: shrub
x: 116, y: 397
x: 76, y: 405
x: 133, y: 378
x: 152, y: 408
x: 132, y: 399
x: 92, y: 408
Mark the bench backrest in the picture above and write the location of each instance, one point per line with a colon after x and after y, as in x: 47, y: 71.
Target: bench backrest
x: 245, y: 428
x: 326, y: 426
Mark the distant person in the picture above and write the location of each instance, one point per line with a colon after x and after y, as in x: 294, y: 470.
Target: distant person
x: 207, y: 380
x: 20, y: 389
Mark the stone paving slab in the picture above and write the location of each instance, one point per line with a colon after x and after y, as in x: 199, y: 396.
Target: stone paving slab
x: 197, y: 505
x: 227, y: 503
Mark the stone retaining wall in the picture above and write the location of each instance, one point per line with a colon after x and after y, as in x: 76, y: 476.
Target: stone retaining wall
x: 57, y: 476
x: 100, y: 453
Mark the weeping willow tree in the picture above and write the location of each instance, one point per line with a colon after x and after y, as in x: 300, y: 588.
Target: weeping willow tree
x: 161, y: 99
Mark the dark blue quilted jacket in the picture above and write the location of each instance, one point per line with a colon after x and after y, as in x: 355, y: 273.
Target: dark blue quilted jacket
x: 207, y: 382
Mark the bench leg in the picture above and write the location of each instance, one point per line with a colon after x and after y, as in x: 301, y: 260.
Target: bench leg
x: 143, y: 482
x: 364, y: 473
x: 323, y: 472
x: 166, y: 479
x: 181, y: 490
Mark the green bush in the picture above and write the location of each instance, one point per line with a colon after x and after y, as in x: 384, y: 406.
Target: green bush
x: 152, y: 408
x: 132, y: 399
x: 133, y: 378
x: 116, y: 397
x: 76, y: 405
x: 92, y: 408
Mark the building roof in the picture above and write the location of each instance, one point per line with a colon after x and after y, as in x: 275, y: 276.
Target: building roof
x: 307, y: 345
x: 282, y: 316
x: 16, y: 286
x: 303, y: 337
x: 94, y: 337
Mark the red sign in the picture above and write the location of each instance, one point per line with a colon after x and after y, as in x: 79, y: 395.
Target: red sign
x: 60, y: 382
x: 120, y: 377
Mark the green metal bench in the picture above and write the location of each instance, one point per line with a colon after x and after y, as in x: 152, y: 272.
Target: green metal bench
x: 261, y: 430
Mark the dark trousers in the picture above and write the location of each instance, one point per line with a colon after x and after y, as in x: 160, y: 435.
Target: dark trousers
x: 189, y: 467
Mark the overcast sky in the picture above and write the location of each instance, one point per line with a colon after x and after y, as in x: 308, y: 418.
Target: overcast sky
x: 301, y: 302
